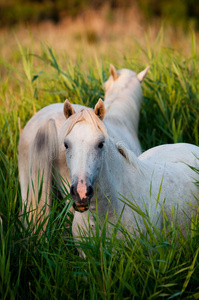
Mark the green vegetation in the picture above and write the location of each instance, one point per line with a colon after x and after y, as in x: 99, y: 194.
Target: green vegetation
x: 164, y: 265
x: 175, y: 12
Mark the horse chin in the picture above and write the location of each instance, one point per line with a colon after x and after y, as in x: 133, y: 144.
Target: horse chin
x: 79, y: 208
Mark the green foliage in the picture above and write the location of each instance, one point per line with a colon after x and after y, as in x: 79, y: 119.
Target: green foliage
x: 153, y: 265
x: 175, y: 12
x: 172, y: 94
x: 47, y: 265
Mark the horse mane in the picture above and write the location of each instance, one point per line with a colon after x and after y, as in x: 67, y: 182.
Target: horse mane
x: 125, y: 98
x: 87, y: 115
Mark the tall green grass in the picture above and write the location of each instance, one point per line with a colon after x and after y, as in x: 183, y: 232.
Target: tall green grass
x: 155, y: 265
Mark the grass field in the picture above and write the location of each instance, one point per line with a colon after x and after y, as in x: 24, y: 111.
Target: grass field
x: 160, y: 266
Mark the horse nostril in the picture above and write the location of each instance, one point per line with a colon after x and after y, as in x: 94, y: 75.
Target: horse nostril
x: 89, y: 191
x: 72, y: 190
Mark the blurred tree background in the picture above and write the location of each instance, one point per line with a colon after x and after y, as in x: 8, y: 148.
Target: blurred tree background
x: 183, y: 12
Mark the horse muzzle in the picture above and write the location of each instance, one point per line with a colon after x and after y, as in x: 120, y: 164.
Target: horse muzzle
x: 79, y: 207
x: 81, y: 199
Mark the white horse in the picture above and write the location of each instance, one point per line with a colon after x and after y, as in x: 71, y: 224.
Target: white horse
x: 39, y: 152
x: 102, y: 170
x: 123, y: 99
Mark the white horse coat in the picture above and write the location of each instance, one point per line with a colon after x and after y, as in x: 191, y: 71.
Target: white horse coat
x: 40, y: 152
x: 103, y: 171
x: 123, y: 99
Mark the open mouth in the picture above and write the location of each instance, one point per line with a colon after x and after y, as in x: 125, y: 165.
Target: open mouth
x: 80, y: 208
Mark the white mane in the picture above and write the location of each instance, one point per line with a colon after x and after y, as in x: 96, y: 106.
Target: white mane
x: 87, y: 115
x: 126, y: 94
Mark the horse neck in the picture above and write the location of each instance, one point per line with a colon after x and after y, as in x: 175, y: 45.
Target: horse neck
x: 124, y: 104
x: 116, y: 177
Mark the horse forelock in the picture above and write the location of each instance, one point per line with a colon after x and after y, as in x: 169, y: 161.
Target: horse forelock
x: 87, y: 115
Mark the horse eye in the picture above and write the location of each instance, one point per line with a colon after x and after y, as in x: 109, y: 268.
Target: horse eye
x: 65, y: 145
x: 101, y: 145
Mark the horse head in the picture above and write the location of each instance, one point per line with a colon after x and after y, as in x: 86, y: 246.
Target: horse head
x: 84, y: 138
x: 123, y: 77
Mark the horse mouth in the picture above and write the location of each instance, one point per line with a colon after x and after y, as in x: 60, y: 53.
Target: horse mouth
x: 80, y: 208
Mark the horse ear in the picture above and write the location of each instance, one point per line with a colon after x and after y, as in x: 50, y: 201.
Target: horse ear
x: 68, y: 109
x: 123, y: 150
x: 131, y: 158
x: 142, y: 75
x: 113, y: 72
x: 100, y: 109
